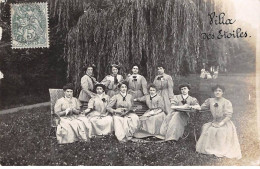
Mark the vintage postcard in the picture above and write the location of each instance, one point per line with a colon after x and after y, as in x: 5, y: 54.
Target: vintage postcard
x: 129, y: 83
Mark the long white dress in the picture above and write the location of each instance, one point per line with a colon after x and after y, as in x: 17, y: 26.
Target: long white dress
x: 73, y: 127
x: 222, y: 141
x: 153, y: 118
x: 124, y: 125
x: 102, y: 123
x: 174, y: 124
x: 164, y: 85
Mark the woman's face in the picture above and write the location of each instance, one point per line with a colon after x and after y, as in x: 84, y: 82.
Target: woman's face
x: 135, y: 70
x: 99, y: 90
x: 114, y: 70
x: 218, y: 93
x: 160, y: 70
x: 185, y: 90
x: 123, y: 88
x: 89, y: 71
x: 152, y: 91
x: 68, y: 93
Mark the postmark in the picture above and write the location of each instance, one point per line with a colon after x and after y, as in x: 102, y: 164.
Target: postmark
x: 29, y: 25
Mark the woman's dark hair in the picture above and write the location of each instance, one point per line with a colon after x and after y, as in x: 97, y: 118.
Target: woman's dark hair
x: 184, y: 85
x: 218, y: 86
x: 115, y: 65
x: 151, y: 85
x: 68, y: 86
x: 87, y: 66
x: 124, y: 82
x: 99, y: 85
x: 161, y: 65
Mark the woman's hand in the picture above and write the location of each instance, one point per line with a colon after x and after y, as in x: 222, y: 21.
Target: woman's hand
x: 86, y: 111
x: 185, y: 106
x: 221, y: 123
x: 215, y: 124
x: 118, y: 111
x: 68, y: 111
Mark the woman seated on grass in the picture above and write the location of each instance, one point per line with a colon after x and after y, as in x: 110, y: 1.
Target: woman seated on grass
x: 125, y: 121
x: 152, y: 119
x: 175, y: 122
x: 72, y: 127
x: 219, y: 137
x: 102, y: 123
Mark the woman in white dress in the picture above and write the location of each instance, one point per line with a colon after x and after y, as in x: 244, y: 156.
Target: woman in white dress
x: 153, y: 118
x: 219, y: 137
x: 102, y: 122
x: 164, y: 84
x: 126, y: 122
x: 73, y: 126
x: 175, y: 122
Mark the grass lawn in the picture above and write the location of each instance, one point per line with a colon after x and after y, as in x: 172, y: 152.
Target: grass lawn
x: 24, y: 136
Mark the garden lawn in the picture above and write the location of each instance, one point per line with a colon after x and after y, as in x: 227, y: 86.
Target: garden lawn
x: 25, y: 140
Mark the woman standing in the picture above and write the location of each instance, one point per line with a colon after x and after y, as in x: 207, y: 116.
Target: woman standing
x: 219, y: 137
x: 72, y: 126
x: 175, y: 122
x: 137, y: 83
x: 112, y: 81
x: 87, y: 85
x: 153, y: 118
x: 125, y: 121
x: 102, y: 123
x: 164, y: 84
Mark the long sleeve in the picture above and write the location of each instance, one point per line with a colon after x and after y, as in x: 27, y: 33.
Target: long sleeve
x: 228, y: 111
x: 141, y: 99
x: 174, y: 101
x: 144, y: 85
x: 57, y: 106
x: 84, y: 83
x: 205, y: 105
x: 170, y: 87
x: 91, y: 103
x: 105, y: 81
x: 111, y: 103
x: 78, y: 104
x: 121, y: 79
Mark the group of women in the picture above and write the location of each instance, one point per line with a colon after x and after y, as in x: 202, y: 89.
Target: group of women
x: 108, y: 107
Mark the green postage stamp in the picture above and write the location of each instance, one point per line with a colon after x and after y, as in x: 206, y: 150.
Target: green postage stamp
x: 29, y: 22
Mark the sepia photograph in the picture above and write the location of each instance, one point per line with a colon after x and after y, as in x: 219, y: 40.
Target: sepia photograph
x: 129, y: 83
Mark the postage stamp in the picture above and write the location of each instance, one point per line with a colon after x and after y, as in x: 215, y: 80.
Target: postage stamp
x: 29, y: 25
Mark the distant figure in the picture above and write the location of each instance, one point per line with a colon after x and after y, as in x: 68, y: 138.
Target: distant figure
x: 219, y: 137
x: 1, y: 76
x: 215, y: 74
x: 203, y: 73
x: 208, y: 75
